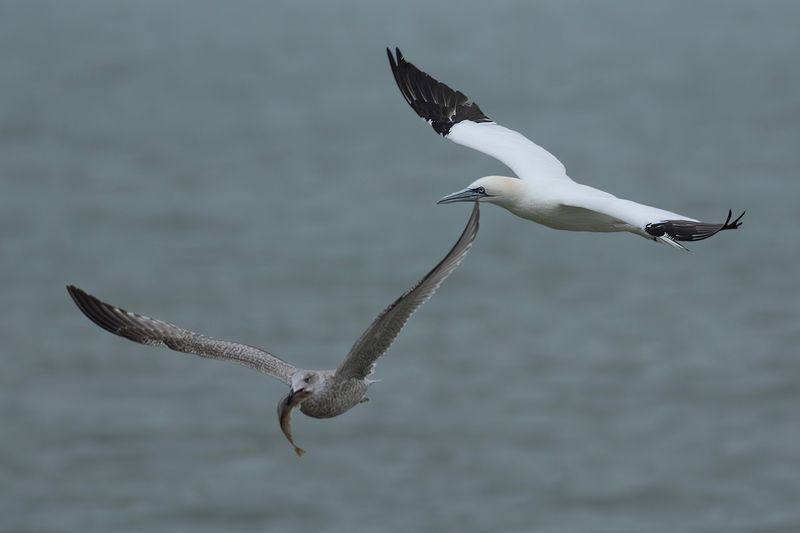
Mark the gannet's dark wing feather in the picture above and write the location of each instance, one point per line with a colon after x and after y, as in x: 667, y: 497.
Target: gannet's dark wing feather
x: 153, y: 332
x: 434, y: 101
x: 687, y: 230
x: 454, y: 116
x: 384, y: 330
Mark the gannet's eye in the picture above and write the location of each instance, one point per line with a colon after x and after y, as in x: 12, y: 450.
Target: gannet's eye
x: 481, y: 190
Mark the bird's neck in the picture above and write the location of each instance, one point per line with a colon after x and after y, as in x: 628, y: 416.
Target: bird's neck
x: 513, y: 192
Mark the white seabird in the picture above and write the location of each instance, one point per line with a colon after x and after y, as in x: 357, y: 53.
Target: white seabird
x: 544, y: 194
x: 320, y: 393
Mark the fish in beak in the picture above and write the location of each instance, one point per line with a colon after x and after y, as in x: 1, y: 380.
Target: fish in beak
x: 285, y: 406
x: 464, y: 195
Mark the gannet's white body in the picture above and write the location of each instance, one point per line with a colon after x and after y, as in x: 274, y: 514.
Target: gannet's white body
x: 544, y: 193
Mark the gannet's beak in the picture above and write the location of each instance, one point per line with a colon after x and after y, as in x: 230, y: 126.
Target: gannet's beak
x: 464, y: 195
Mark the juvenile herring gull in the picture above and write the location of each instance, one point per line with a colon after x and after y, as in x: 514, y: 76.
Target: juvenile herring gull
x: 319, y: 393
x: 544, y: 193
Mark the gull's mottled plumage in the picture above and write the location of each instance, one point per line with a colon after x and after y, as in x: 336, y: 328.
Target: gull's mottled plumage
x: 544, y: 193
x: 153, y: 332
x: 319, y: 393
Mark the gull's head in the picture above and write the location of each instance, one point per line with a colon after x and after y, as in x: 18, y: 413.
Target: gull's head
x: 493, y: 189
x: 304, y: 384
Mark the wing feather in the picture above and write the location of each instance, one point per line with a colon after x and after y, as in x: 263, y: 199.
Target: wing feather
x: 380, y: 335
x: 153, y: 332
x: 452, y: 114
x: 688, y: 230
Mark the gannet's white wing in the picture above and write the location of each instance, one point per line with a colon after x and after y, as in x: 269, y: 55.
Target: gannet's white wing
x: 384, y: 329
x: 659, y: 224
x: 615, y: 210
x: 152, y: 332
x: 454, y: 116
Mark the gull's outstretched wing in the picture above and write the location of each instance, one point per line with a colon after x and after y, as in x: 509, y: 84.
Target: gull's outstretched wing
x: 146, y: 330
x: 455, y: 117
x: 384, y: 330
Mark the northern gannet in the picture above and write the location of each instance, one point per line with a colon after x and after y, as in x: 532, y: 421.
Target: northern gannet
x: 544, y: 194
x: 319, y: 393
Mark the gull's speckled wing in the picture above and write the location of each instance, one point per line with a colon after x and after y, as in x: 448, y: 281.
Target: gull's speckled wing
x: 382, y: 332
x: 152, y: 332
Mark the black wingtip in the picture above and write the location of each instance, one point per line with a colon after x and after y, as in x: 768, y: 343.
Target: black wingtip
x: 396, y: 59
x: 80, y: 297
x: 736, y: 223
x: 436, y: 102
x: 393, y: 65
x: 683, y: 230
x: 87, y: 305
x: 74, y: 292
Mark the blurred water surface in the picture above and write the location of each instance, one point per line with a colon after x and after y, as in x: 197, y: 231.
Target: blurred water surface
x: 249, y: 170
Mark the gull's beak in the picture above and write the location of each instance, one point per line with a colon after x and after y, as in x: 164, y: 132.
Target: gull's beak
x: 295, y: 397
x: 464, y: 195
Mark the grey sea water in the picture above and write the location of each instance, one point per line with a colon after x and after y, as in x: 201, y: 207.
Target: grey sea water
x: 249, y: 170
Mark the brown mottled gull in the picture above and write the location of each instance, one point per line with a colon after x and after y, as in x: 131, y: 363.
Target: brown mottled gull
x: 319, y: 393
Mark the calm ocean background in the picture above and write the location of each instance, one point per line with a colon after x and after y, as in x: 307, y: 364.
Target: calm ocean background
x: 249, y: 170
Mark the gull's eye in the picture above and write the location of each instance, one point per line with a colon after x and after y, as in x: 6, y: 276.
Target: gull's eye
x: 481, y: 190
x: 307, y: 379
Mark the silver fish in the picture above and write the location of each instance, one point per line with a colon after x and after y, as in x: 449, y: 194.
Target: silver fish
x: 285, y: 406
